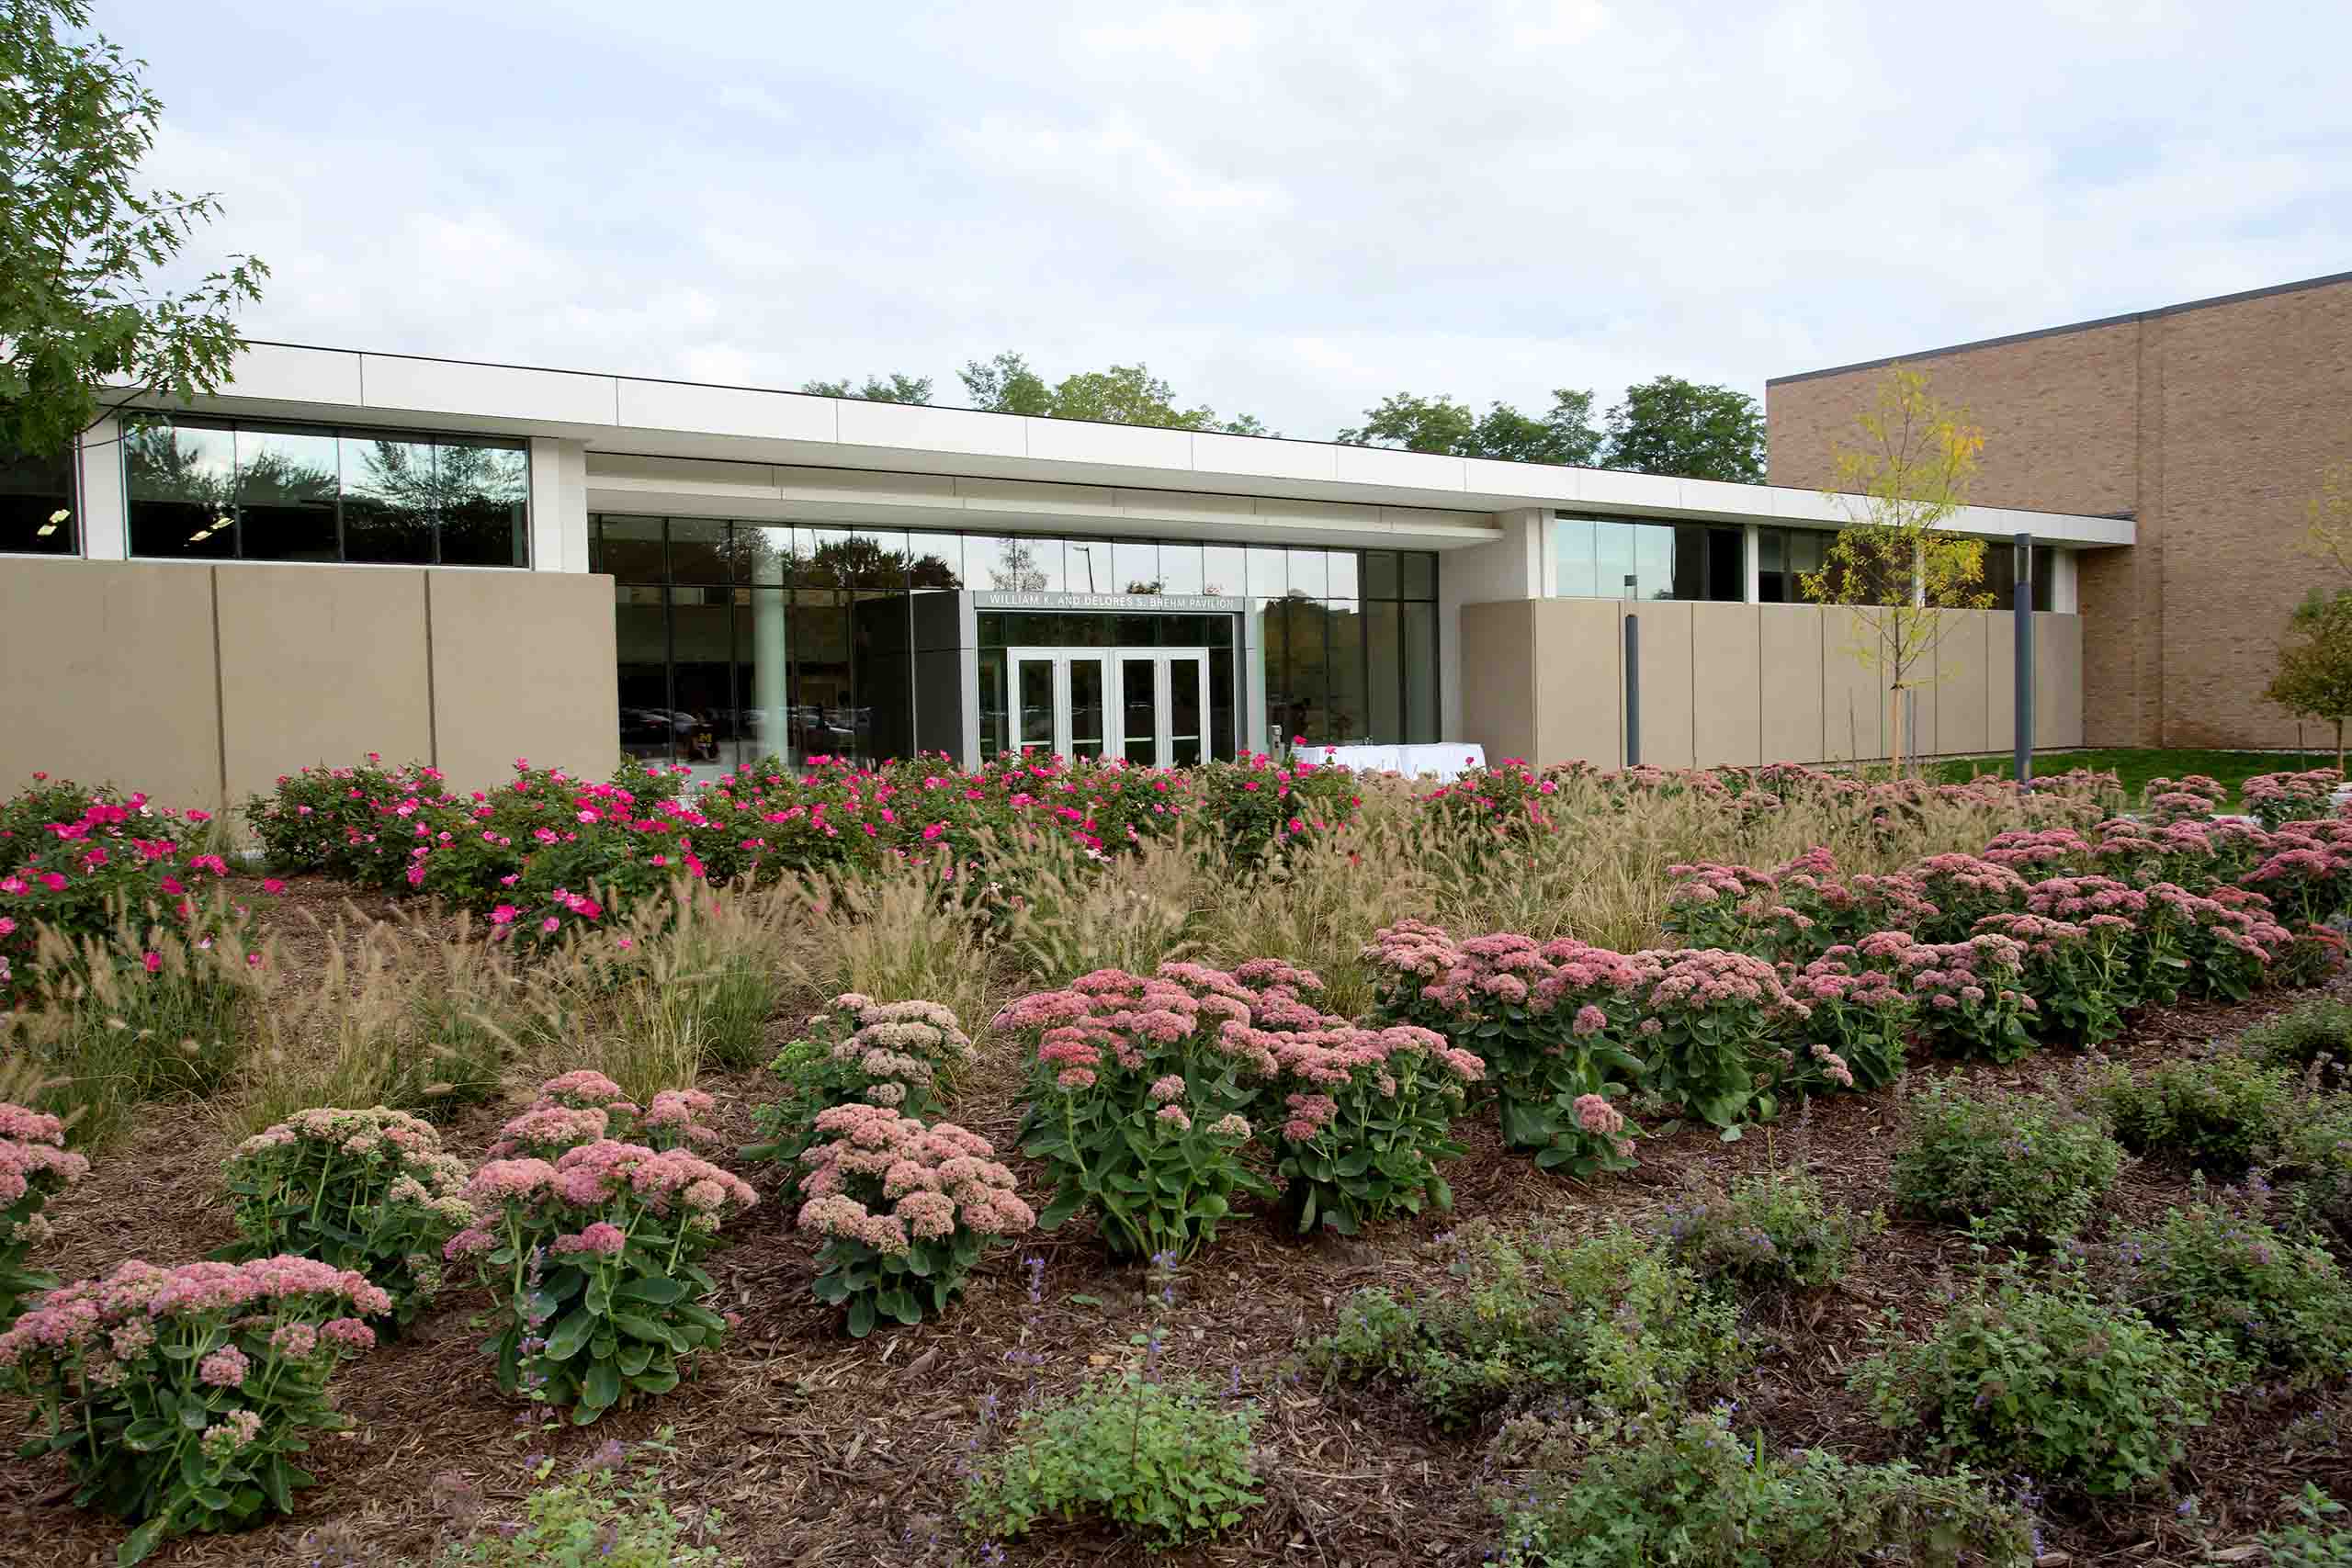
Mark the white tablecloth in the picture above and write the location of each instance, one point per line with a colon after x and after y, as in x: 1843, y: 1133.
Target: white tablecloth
x: 1443, y: 763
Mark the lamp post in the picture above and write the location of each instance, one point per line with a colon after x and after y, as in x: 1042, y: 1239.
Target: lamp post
x: 2021, y: 621
x: 1633, y: 681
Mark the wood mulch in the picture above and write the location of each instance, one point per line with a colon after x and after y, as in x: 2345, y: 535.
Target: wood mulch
x: 822, y: 1450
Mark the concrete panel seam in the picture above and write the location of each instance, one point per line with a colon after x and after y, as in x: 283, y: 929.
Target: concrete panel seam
x: 219, y: 691
x: 432, y: 694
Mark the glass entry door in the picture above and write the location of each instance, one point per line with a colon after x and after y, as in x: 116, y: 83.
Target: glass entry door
x: 1150, y: 705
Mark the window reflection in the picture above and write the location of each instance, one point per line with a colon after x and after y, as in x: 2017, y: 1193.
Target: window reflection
x: 32, y: 491
x: 1606, y: 557
x: 182, y: 490
x: 485, y: 503
x: 286, y: 494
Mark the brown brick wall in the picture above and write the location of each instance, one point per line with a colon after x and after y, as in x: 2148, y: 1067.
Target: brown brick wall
x: 2211, y: 423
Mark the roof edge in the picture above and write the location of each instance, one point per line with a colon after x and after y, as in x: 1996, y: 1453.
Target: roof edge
x: 2126, y: 319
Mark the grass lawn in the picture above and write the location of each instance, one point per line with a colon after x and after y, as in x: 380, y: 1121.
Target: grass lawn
x: 2136, y: 766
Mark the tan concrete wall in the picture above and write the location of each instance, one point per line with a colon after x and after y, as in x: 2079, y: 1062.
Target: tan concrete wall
x: 318, y: 665
x: 523, y: 667
x: 1580, y: 683
x: 2210, y: 423
x: 1500, y: 660
x: 106, y: 676
x: 200, y: 684
x: 1748, y: 683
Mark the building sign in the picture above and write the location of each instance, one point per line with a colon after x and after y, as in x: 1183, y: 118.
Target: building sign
x: 1121, y: 603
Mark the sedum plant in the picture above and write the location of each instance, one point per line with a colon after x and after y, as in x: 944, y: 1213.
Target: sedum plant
x: 584, y: 1106
x: 595, y: 1265
x: 904, y: 1055
x: 368, y: 1191
x: 175, y: 1396
x: 35, y: 1165
x: 906, y: 1211
x: 1370, y: 1117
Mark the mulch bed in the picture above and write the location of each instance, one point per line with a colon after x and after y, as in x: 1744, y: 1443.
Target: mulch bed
x: 822, y: 1449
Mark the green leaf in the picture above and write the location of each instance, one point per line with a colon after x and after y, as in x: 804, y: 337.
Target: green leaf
x: 601, y: 1387
x: 570, y: 1334
x: 646, y: 1328
x: 658, y: 1289
x: 861, y: 1317
x: 1066, y: 1203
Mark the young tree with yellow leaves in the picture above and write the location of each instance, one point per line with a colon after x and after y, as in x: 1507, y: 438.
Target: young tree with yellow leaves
x: 1892, y: 565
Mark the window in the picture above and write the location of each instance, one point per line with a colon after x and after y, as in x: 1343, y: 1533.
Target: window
x: 2001, y: 576
x: 220, y: 490
x: 33, y: 490
x: 1610, y: 558
x: 1784, y: 556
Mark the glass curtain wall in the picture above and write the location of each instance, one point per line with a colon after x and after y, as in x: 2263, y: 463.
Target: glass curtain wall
x: 1610, y: 558
x: 219, y: 489
x: 33, y: 490
x: 2000, y: 578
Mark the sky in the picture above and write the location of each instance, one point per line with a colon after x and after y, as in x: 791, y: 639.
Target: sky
x: 1287, y: 210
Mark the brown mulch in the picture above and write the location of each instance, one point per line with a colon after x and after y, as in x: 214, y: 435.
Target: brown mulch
x: 822, y: 1450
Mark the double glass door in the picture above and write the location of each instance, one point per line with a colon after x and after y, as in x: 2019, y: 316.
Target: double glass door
x: 1150, y: 705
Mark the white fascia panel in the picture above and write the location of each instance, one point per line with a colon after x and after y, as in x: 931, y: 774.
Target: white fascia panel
x: 1260, y: 457
x: 1717, y: 495
x: 866, y: 488
x: 725, y: 411
x: 1078, y: 441
x: 937, y: 430
x: 490, y: 391
x: 1610, y: 487
x: 1044, y: 500
x: 287, y: 374
x: 1547, y: 482
x: 1380, y: 466
x: 1179, y: 506
x: 1325, y: 514
x: 621, y: 471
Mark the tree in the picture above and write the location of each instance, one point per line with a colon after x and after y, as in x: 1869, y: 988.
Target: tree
x: 1123, y: 394
x: 79, y: 319
x: 1667, y: 425
x: 2314, y: 677
x: 2330, y: 535
x: 1892, y: 565
x: 1439, y: 424
x: 900, y: 388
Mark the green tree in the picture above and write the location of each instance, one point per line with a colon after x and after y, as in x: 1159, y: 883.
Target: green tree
x: 1440, y: 424
x: 79, y: 317
x: 1122, y: 394
x: 1668, y: 425
x: 2314, y: 675
x: 1892, y: 565
x: 900, y: 388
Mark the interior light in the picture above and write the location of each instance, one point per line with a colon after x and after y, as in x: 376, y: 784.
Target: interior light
x: 44, y: 531
x: 198, y: 537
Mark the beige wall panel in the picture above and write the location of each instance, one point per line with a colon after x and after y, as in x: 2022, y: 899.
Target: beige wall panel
x: 1964, y: 721
x: 1789, y: 636
x: 2001, y: 688
x: 1499, y: 654
x: 1853, y: 699
x: 1727, y: 685
x: 1579, y: 682
x: 2057, y: 680
x: 107, y: 677
x: 554, y: 696
x: 1667, y: 684
x: 321, y: 664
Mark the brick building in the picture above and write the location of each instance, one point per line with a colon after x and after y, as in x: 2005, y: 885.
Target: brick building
x: 2208, y: 423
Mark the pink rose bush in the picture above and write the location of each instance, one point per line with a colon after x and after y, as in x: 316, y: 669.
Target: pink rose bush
x: 585, y: 1106
x: 595, y: 1263
x: 1547, y: 1020
x: 35, y: 1165
x: 175, y: 1396
x: 858, y: 1051
x: 906, y: 1211
x: 366, y: 1191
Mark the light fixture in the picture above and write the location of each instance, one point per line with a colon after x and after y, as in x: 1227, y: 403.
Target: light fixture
x: 46, y: 529
x: 198, y: 537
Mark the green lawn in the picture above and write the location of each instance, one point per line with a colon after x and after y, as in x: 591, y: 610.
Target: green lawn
x: 2136, y: 766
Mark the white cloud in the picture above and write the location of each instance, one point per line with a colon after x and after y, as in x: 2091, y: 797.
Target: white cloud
x: 1291, y: 211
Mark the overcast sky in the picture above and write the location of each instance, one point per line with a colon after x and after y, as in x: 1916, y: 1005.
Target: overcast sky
x: 1288, y: 210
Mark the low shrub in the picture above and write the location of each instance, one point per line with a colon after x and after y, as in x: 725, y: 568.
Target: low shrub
x: 1546, y: 1018
x: 1611, y: 1318
x: 2316, y: 1033
x: 906, y: 1211
x: 2317, y: 1157
x: 1707, y: 1019
x: 2222, y: 1114
x: 2079, y: 973
x: 2225, y: 938
x: 1369, y: 1114
x: 2217, y: 1267
x: 1856, y: 1013
x: 1169, y: 1462
x: 2276, y: 799
x: 365, y: 1191
x: 1770, y: 1231
x: 2049, y: 1381
x: 900, y: 1054
x: 2316, y: 1540
x: 35, y: 1165
x: 595, y: 1263
x: 603, y: 1514
x: 2022, y: 1168
x: 175, y: 1396
x: 1972, y: 995
x: 1692, y: 1491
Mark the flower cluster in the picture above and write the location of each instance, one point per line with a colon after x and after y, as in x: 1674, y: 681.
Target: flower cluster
x: 368, y: 1191
x: 35, y: 1163
x: 584, y: 1107
x: 2276, y: 800
x: 176, y: 1395
x: 906, y: 1211
x: 594, y: 1261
